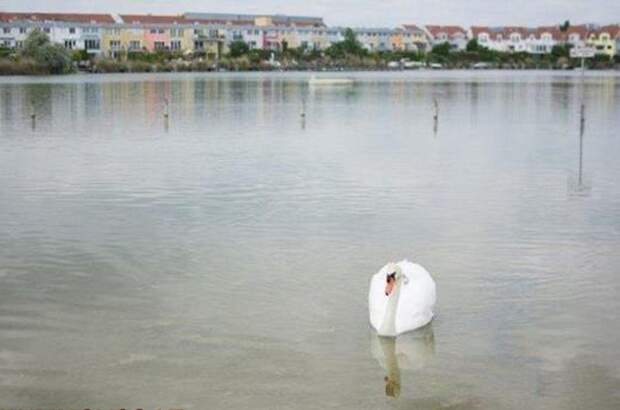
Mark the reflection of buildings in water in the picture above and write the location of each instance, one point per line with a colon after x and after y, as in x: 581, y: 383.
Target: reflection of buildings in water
x: 408, y: 352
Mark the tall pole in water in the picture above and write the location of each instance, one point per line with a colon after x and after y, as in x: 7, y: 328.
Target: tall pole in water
x: 582, y: 121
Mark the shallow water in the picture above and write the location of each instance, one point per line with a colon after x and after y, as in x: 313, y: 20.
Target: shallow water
x: 221, y: 257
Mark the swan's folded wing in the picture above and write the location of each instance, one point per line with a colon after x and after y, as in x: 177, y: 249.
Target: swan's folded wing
x: 417, y: 298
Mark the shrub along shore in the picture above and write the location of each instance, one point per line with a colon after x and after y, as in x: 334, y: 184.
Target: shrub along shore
x: 40, y: 56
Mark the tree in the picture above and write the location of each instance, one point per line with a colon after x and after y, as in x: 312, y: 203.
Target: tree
x: 347, y: 47
x: 238, y: 48
x: 53, y: 57
x: 472, y: 45
x: 351, y: 45
x: 564, y: 27
x: 560, y: 50
x: 442, y: 49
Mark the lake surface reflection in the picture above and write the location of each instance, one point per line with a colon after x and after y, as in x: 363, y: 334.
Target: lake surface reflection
x: 220, y: 257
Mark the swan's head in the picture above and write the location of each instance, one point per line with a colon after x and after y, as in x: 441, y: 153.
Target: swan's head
x: 392, y: 275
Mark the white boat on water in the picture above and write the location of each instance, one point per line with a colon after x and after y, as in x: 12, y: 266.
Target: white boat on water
x: 331, y: 81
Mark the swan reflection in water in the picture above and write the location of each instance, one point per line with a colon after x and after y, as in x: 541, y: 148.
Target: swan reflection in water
x: 411, y: 351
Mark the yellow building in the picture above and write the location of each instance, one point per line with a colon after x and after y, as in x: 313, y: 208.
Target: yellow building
x: 397, y: 40
x: 414, y: 38
x: 132, y: 38
x: 604, y: 40
x: 111, y: 41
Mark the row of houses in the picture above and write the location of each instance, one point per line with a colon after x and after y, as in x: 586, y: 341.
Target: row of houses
x: 212, y: 33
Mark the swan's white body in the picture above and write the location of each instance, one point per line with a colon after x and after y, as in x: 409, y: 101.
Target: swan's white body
x: 409, y: 305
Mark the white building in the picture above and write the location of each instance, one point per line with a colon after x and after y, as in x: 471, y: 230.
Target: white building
x: 456, y: 36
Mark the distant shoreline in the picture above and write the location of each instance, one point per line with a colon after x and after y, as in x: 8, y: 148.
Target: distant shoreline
x: 10, y: 73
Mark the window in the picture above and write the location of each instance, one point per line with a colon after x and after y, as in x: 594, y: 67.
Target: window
x: 6, y: 43
x: 70, y: 44
x: 175, y: 45
x: 159, y: 45
x: 71, y: 30
x: 19, y: 44
x: 134, y: 45
x: 153, y: 31
x: 115, y: 44
x: 199, y: 45
x: 160, y: 31
x: 91, y: 44
x: 198, y: 31
x: 6, y: 30
x: 22, y: 30
x: 46, y: 30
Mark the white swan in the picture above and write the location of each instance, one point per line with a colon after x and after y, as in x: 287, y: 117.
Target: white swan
x: 401, y: 298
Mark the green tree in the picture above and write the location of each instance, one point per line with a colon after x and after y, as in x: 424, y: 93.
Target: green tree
x: 238, y: 48
x: 347, y: 47
x: 53, y: 57
x: 472, y: 45
x: 442, y: 50
x: 564, y: 27
x: 351, y: 45
x: 560, y: 50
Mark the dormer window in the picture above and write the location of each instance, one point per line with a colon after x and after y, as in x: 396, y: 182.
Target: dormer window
x: 574, y: 37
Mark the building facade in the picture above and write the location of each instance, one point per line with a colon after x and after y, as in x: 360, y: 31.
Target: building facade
x: 456, y: 36
x: 212, y: 33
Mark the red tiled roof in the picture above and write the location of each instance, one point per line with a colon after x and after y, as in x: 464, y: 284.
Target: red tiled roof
x: 411, y: 27
x: 555, y: 32
x: 66, y: 17
x: 451, y: 31
x: 477, y: 30
x: 582, y: 30
x: 613, y: 30
x: 152, y: 19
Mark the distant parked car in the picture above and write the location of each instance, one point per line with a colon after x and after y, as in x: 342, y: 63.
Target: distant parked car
x: 413, y: 64
x: 436, y: 66
x: 481, y: 66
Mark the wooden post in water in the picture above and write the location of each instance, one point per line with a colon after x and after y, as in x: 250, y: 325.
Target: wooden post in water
x: 435, y: 116
x: 583, y: 53
x: 582, y: 122
x: 302, y: 113
x: 33, y: 116
x: 166, y: 114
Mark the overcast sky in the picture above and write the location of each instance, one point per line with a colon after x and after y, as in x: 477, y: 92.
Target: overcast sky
x: 373, y: 13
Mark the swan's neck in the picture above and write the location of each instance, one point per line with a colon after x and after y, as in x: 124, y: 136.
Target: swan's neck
x: 388, y: 327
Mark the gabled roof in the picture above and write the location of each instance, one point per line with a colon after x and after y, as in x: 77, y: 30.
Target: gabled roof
x: 450, y: 31
x: 152, y: 19
x: 612, y: 29
x: 412, y: 28
x: 63, y: 17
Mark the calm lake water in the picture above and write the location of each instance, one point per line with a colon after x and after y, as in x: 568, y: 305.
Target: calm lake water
x: 221, y: 258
